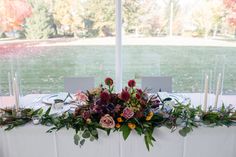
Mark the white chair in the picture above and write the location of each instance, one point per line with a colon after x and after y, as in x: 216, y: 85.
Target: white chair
x: 73, y: 85
x: 157, y: 84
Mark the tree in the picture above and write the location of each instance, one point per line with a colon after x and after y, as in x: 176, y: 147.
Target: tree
x: 39, y: 25
x: 99, y: 17
x: 133, y: 12
x: 171, y: 13
x: 68, y: 16
x: 207, y: 16
x: 13, y: 14
x: 151, y: 18
x: 231, y: 13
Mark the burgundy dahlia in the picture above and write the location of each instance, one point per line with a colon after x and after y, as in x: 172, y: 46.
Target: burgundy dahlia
x: 105, y: 96
x: 139, y: 91
x: 125, y: 95
x: 131, y: 83
x: 109, y: 81
x: 138, y: 96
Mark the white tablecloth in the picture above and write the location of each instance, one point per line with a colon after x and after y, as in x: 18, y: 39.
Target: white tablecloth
x: 32, y: 141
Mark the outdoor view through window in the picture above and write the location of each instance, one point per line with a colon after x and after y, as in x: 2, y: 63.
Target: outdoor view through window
x: 44, y: 41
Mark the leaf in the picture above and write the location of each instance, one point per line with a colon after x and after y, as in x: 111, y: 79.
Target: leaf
x: 146, y: 142
x: 48, y: 111
x: 184, y: 131
x: 178, y: 121
x: 40, y: 112
x: 94, y: 133
x: 76, y: 139
x: 86, y: 134
x: 126, y: 131
x: 108, y: 131
x: 82, y: 142
x: 92, y: 138
x: 139, y: 130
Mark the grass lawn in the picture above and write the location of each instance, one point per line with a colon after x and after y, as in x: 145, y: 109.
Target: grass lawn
x: 43, y: 68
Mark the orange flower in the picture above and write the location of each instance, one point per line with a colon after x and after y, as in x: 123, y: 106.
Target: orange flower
x: 121, y: 114
x: 149, y: 116
x: 118, y: 125
x: 131, y: 125
x: 119, y: 119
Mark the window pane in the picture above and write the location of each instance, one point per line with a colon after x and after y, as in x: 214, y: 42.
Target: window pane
x: 182, y: 39
x: 57, y: 39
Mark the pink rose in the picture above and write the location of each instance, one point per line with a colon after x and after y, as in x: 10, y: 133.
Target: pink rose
x: 128, y: 113
x: 80, y: 96
x: 107, y: 122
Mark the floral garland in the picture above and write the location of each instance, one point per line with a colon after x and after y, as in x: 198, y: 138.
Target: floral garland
x: 130, y: 110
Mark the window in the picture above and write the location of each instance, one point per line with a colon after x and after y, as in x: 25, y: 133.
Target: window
x: 45, y: 41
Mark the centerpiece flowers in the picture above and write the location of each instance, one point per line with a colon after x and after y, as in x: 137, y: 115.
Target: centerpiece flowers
x: 131, y: 110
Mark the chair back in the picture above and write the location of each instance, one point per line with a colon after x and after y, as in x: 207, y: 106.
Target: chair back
x: 157, y: 84
x: 73, y: 85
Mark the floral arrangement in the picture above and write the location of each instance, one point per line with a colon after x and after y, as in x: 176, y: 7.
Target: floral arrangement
x: 130, y: 110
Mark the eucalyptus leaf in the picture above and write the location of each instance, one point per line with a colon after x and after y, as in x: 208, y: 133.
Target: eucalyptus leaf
x: 86, y: 134
x: 82, y: 142
x: 76, y: 139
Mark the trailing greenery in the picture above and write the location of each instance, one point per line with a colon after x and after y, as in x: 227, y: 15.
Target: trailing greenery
x: 182, y: 116
x: 132, y: 110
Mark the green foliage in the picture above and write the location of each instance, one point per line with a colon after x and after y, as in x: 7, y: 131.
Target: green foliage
x: 182, y: 116
x: 125, y: 131
x: 40, y: 24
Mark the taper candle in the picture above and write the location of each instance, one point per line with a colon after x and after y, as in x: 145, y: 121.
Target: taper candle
x: 16, y: 93
x: 218, y: 91
x: 206, y: 93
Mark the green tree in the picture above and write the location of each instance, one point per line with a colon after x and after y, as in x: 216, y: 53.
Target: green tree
x: 133, y: 11
x: 99, y: 17
x: 68, y: 16
x: 39, y: 25
x: 207, y: 17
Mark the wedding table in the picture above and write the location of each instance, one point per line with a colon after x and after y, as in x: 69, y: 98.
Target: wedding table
x: 33, y: 141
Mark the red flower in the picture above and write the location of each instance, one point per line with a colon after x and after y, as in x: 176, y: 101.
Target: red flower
x: 125, y: 95
x: 138, y: 96
x: 109, y: 81
x: 139, y: 91
x: 105, y: 97
x: 131, y: 83
x: 139, y: 114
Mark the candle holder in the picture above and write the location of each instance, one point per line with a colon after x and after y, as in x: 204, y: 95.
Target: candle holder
x: 36, y: 120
